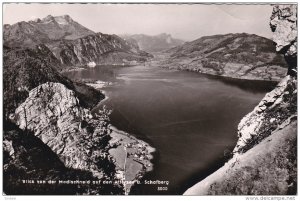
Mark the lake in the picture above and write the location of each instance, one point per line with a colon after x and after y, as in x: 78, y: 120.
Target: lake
x: 191, y: 119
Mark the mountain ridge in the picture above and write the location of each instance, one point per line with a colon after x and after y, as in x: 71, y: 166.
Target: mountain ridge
x: 236, y: 55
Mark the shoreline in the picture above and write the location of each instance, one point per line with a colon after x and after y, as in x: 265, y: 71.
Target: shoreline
x: 159, y: 59
x: 223, y: 76
x: 99, y: 85
x: 234, y: 78
x: 85, y: 67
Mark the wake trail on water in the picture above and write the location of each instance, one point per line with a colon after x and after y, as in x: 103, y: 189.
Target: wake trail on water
x: 177, y: 122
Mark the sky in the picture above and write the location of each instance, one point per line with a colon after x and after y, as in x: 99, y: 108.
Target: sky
x: 184, y: 21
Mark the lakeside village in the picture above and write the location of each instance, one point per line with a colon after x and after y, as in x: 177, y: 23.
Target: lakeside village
x: 129, y: 154
x: 141, y: 152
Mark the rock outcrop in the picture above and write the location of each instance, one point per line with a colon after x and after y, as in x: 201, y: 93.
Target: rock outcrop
x: 265, y: 158
x: 284, y: 26
x: 52, y: 112
x: 241, y: 56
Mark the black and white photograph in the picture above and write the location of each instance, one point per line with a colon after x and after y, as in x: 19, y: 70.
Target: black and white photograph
x: 179, y: 99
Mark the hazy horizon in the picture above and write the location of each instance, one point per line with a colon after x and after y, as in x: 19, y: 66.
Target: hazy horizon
x: 182, y: 21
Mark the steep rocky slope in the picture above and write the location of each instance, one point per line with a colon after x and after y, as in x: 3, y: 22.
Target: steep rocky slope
x: 243, y: 56
x: 265, y: 158
x: 99, y: 48
x: 28, y: 34
x: 54, y: 115
x: 275, y: 108
x: 154, y: 43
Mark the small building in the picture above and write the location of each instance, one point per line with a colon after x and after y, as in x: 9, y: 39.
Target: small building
x: 91, y: 64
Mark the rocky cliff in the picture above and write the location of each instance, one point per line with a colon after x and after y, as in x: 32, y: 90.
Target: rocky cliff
x: 99, y: 48
x: 156, y: 43
x: 54, y: 115
x: 284, y: 26
x: 265, y: 158
x: 242, y: 56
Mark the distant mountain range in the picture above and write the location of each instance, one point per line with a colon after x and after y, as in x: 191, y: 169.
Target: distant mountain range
x: 154, y: 43
x: 72, y: 43
x: 241, y: 55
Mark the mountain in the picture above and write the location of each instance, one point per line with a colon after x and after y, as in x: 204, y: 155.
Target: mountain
x: 99, y: 48
x: 241, y: 55
x: 154, y: 43
x: 29, y: 34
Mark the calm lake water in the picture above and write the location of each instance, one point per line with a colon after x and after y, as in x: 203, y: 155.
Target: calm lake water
x: 191, y: 119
